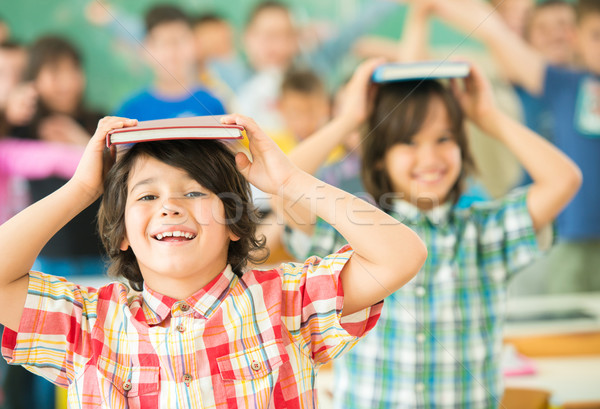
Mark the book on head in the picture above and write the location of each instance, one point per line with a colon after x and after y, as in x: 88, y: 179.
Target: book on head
x: 196, y: 127
x: 426, y: 70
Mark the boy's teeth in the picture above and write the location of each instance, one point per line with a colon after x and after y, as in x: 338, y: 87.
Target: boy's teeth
x: 186, y: 235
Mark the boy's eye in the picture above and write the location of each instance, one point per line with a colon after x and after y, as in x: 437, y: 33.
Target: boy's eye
x: 195, y: 194
x: 147, y: 198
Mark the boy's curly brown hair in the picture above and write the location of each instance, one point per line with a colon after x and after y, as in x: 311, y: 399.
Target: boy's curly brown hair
x: 211, y: 164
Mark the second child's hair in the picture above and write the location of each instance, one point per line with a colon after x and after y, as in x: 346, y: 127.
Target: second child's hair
x: 399, y: 112
x: 163, y: 14
x: 213, y: 166
x: 48, y: 50
x: 303, y: 81
x: 585, y: 8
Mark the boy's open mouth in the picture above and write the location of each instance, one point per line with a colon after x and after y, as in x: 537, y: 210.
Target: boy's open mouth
x: 174, y: 236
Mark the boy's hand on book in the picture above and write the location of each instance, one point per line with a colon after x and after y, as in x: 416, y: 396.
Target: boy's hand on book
x: 94, y: 164
x: 476, y: 99
x: 270, y: 168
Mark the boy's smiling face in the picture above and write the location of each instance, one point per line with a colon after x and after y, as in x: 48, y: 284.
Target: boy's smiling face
x: 175, y: 227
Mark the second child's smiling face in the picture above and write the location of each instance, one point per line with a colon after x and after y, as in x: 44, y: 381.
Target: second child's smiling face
x: 175, y: 227
x: 424, y: 171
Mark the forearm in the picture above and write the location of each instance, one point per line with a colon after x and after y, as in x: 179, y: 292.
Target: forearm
x: 23, y: 237
x: 556, y: 178
x: 312, y: 153
x: 386, y: 253
x: 414, y: 44
x: 373, y: 234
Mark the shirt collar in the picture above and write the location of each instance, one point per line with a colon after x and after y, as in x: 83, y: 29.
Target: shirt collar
x: 408, y: 213
x: 158, y: 307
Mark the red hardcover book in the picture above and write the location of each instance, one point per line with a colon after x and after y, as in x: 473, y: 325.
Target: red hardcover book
x: 196, y: 127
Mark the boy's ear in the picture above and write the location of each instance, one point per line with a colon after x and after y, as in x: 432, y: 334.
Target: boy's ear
x: 124, y: 244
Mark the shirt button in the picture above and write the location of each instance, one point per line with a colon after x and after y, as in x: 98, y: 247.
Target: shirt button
x: 187, y: 379
x: 127, y: 385
x: 180, y: 328
x: 420, y: 291
x: 420, y: 387
x: 184, y: 307
x: 421, y: 337
x: 255, y: 366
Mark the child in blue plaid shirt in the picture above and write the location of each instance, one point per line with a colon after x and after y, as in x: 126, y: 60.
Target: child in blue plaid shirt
x: 439, y: 339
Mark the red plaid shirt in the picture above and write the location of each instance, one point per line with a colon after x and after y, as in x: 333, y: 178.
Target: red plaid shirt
x: 250, y: 342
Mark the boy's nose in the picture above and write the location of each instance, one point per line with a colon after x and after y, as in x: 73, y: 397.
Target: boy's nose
x: 427, y: 154
x: 170, y: 207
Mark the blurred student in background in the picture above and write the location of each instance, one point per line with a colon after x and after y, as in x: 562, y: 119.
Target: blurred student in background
x: 215, y: 51
x: 572, y: 96
x: 49, y: 125
x: 175, y: 91
x: 305, y: 106
x: 271, y: 46
x: 13, y: 59
x: 551, y: 30
x: 55, y: 82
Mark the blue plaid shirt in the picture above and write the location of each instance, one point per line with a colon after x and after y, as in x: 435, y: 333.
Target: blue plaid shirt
x: 438, y: 342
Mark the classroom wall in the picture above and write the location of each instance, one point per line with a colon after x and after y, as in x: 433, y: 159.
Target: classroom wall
x: 114, y: 71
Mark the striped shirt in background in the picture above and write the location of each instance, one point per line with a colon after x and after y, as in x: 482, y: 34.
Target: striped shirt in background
x: 250, y: 342
x: 438, y: 342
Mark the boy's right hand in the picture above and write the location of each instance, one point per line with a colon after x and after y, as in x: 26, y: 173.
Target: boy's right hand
x: 92, y: 167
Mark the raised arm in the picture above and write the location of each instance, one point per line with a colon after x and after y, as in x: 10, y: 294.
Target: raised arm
x: 556, y: 178
x: 387, y: 253
x: 414, y: 43
x: 23, y: 237
x: 312, y: 153
x: 522, y: 64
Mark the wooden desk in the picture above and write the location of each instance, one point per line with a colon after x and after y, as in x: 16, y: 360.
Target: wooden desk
x: 566, y: 352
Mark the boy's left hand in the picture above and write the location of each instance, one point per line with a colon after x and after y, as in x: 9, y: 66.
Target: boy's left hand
x: 476, y: 98
x: 270, y: 168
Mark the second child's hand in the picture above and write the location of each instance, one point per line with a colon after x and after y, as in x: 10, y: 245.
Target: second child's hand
x: 93, y: 165
x: 476, y: 99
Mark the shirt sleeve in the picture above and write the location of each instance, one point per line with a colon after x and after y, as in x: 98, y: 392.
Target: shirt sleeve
x: 313, y: 300
x: 55, y: 330
x: 507, y: 232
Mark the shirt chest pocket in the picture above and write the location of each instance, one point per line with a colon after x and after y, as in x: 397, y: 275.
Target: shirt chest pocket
x: 255, y: 369
x: 134, y: 385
